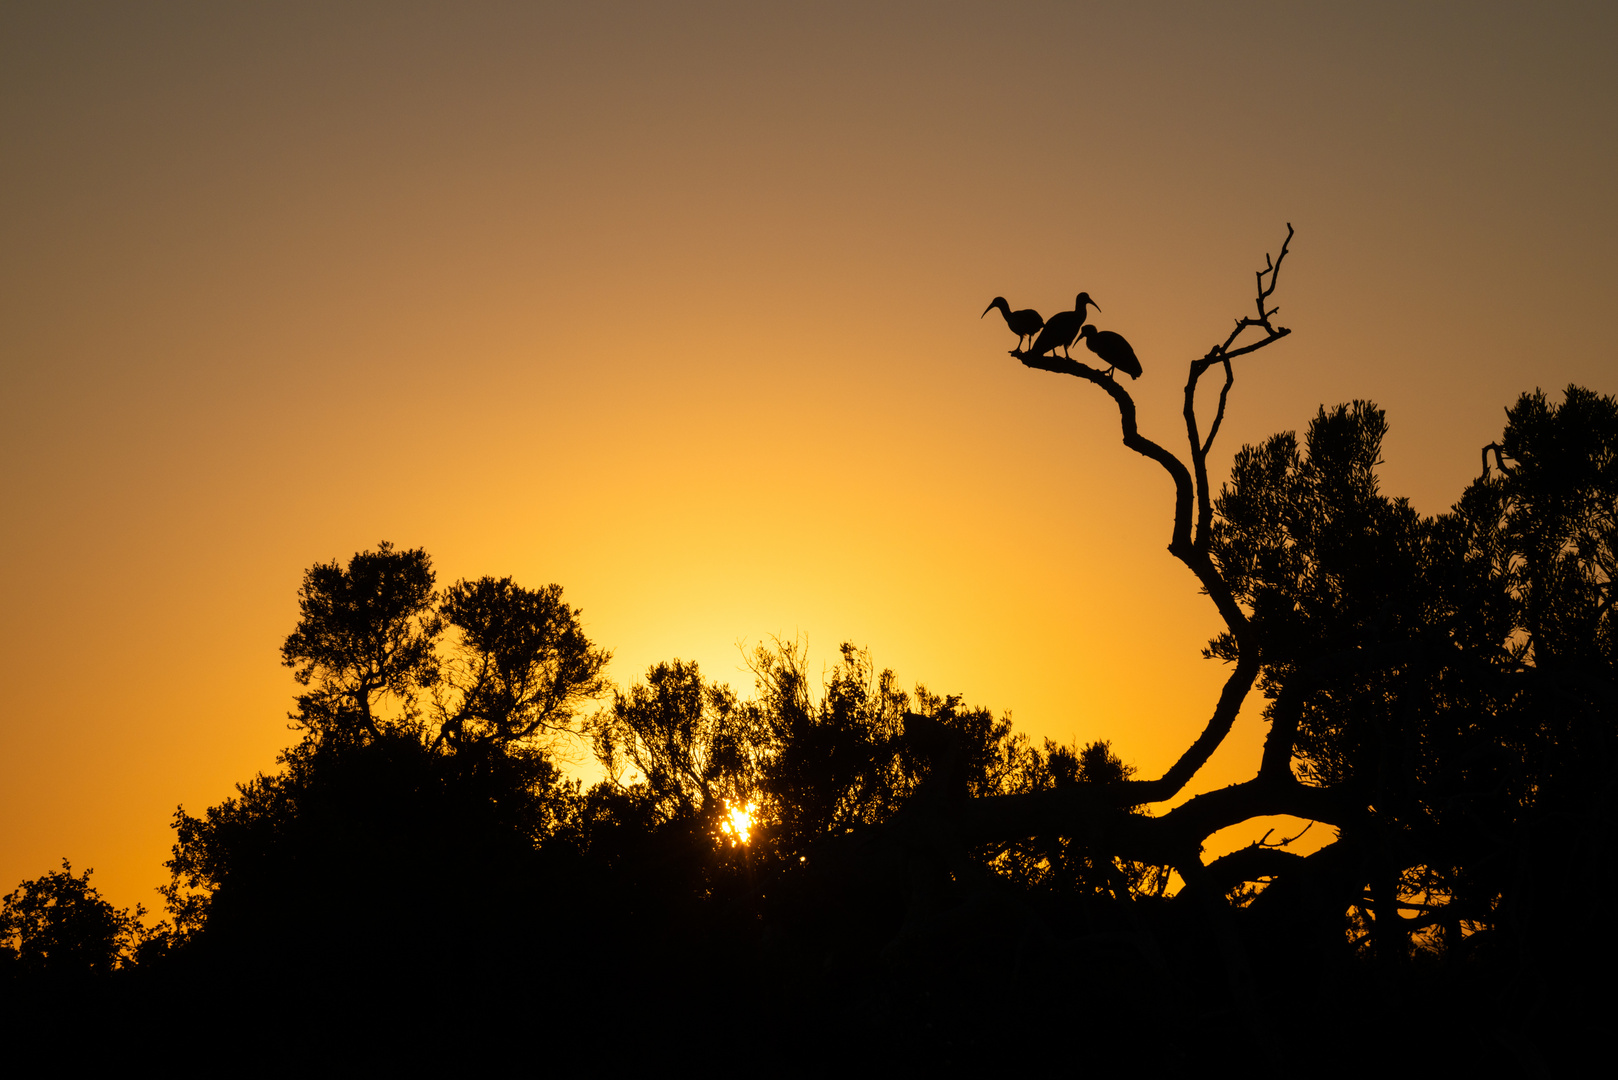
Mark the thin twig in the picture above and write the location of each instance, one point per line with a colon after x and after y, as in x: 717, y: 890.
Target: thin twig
x: 1224, y: 353
x: 1283, y: 843
x: 1272, y: 332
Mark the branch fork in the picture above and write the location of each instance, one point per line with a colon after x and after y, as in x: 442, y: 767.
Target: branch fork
x: 1175, y: 838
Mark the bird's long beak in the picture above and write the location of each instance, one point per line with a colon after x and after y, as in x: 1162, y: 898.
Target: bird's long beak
x: 987, y: 310
x: 1092, y: 304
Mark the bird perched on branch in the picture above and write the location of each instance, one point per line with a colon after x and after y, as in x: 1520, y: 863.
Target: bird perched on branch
x: 1062, y: 328
x: 1025, y: 323
x: 1113, y: 349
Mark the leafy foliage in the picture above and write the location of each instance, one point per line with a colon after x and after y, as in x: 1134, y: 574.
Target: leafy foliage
x: 364, y: 632
x: 351, y: 846
x: 1444, y: 691
x: 519, y: 664
x: 383, y: 797
x: 1455, y: 675
x: 692, y: 743
x: 521, y: 667
x: 58, y: 925
x: 1067, y: 864
x: 819, y: 764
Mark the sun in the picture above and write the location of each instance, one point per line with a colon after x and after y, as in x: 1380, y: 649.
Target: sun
x: 738, y: 821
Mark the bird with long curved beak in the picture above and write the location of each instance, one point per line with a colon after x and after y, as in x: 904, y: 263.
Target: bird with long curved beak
x: 1113, y: 349
x: 1062, y: 328
x: 1025, y: 323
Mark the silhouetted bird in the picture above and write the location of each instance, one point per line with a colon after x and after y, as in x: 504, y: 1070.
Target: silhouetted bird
x: 1063, y: 327
x: 1113, y: 349
x: 1025, y: 323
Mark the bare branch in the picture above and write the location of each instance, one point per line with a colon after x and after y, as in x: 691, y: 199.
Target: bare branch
x: 1219, y: 416
x: 1197, y: 560
x: 1499, y: 458
x: 1272, y: 332
x: 1102, y: 814
x: 1250, y: 864
x: 1289, y: 840
x: 1131, y: 432
x: 1191, y: 488
x: 1224, y: 353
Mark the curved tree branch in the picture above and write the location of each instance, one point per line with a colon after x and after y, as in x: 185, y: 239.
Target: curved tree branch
x: 1191, y: 486
x: 1181, y: 546
x: 1132, y: 436
x: 1103, y: 816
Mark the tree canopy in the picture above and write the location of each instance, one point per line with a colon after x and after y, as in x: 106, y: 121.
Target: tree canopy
x: 59, y: 926
x: 517, y: 666
x: 896, y: 871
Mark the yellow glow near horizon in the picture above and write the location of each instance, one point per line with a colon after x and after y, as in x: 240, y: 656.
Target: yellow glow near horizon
x: 679, y: 308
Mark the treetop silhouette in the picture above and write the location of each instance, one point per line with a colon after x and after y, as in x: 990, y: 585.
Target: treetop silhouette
x: 518, y: 665
x: 59, y: 927
x: 1422, y: 697
x: 896, y: 871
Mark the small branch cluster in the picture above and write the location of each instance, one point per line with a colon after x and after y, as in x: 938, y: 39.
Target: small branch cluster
x: 1224, y: 351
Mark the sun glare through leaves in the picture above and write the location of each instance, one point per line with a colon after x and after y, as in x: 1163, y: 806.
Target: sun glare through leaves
x: 738, y: 821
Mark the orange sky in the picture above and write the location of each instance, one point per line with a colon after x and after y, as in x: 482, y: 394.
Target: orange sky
x: 679, y: 309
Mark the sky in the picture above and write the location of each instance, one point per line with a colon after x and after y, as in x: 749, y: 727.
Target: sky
x: 678, y: 307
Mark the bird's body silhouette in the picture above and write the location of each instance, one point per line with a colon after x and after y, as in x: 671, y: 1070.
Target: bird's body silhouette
x: 1113, y: 349
x: 1062, y: 328
x: 1025, y: 323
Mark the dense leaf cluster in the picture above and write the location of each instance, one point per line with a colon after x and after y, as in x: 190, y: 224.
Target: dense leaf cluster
x: 370, y: 641
x: 1454, y: 677
x: 59, y: 927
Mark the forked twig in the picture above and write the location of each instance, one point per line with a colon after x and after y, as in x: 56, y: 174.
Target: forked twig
x: 1224, y: 353
x: 1499, y: 458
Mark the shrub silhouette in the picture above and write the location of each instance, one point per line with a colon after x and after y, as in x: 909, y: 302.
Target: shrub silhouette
x: 58, y: 926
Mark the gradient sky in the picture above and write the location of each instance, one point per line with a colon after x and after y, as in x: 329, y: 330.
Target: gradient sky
x: 679, y: 309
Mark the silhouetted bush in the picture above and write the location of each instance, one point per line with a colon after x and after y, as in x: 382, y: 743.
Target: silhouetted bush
x: 59, y: 927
